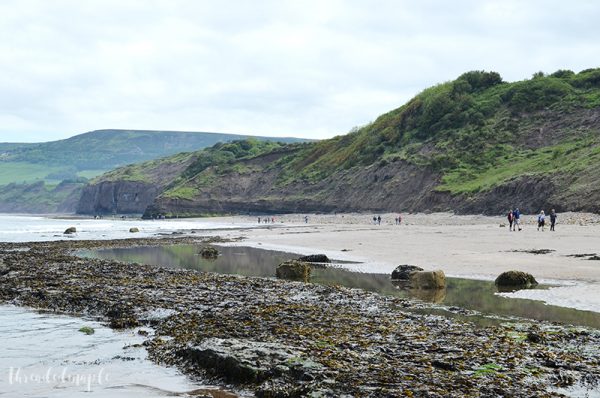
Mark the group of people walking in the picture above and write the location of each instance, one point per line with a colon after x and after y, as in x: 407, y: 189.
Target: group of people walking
x: 514, y: 220
x: 377, y: 220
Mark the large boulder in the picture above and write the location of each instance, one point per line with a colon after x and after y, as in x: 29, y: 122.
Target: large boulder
x: 70, y: 230
x: 402, y: 272
x: 315, y: 258
x: 294, y: 270
x: 428, y: 279
x: 209, y: 252
x: 245, y: 361
x: 515, y: 279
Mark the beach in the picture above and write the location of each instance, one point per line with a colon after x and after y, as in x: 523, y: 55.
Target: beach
x: 281, y: 338
x: 472, y: 247
x: 462, y: 246
x: 267, y: 337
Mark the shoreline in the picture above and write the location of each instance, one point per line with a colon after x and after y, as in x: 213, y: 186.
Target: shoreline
x: 306, y: 338
x: 463, y: 246
x: 470, y: 247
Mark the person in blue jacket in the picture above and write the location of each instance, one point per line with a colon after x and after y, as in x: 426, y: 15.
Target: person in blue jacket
x: 516, y: 219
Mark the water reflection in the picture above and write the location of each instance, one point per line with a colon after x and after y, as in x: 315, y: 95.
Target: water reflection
x: 465, y: 293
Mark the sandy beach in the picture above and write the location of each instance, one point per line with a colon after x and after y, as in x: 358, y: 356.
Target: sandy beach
x: 474, y: 247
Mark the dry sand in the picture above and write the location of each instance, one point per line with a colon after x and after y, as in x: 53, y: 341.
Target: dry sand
x: 474, y: 247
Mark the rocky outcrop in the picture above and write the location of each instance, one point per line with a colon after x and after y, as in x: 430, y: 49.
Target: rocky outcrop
x: 120, y: 197
x: 294, y: 270
x: 415, y: 278
x: 397, y: 185
x: 245, y: 361
x: 428, y: 279
x: 209, y: 252
x: 515, y: 279
x: 315, y: 258
x: 403, y: 272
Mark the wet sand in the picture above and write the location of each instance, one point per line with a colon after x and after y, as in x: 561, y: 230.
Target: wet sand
x: 466, y: 246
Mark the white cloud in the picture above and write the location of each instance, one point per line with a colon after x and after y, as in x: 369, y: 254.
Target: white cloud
x: 304, y: 68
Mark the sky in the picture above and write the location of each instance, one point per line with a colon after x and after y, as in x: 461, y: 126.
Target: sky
x: 312, y: 69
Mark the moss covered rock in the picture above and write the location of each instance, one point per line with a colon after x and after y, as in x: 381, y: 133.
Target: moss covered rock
x: 428, y: 279
x: 294, y: 270
x: 209, y: 252
x: 515, y: 279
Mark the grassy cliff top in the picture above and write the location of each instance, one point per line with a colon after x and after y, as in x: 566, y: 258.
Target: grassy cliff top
x: 476, y: 130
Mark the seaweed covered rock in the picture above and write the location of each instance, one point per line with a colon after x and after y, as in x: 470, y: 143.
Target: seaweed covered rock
x: 402, y: 272
x: 428, y: 279
x: 209, y: 252
x: 315, y: 258
x: 515, y: 279
x: 3, y: 268
x: 122, y: 316
x: 245, y: 361
x: 134, y: 230
x: 294, y: 270
x: 70, y: 230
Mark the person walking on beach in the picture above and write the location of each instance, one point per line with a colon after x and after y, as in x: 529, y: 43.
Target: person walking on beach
x: 552, y: 219
x: 516, y: 219
x: 541, y: 220
x: 378, y: 220
x: 510, y: 219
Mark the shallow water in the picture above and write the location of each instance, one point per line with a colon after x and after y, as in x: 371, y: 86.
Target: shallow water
x: 45, y: 355
x: 474, y: 295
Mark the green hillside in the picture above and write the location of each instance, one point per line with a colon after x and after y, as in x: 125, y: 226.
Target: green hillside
x: 91, y: 154
x: 477, y: 130
x: 23, y: 167
x: 475, y: 144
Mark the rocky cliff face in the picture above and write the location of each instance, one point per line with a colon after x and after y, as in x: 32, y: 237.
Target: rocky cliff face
x: 397, y: 186
x: 122, y: 197
x: 473, y: 145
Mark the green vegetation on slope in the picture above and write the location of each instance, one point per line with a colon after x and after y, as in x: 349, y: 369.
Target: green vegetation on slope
x: 217, y: 160
x: 93, y: 153
x: 473, y: 130
x: 40, y: 197
x: 90, y: 155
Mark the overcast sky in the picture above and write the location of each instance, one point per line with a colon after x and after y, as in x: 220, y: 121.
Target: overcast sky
x: 306, y: 68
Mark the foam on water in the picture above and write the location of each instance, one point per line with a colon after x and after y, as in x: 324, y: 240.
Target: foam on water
x: 21, y: 228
